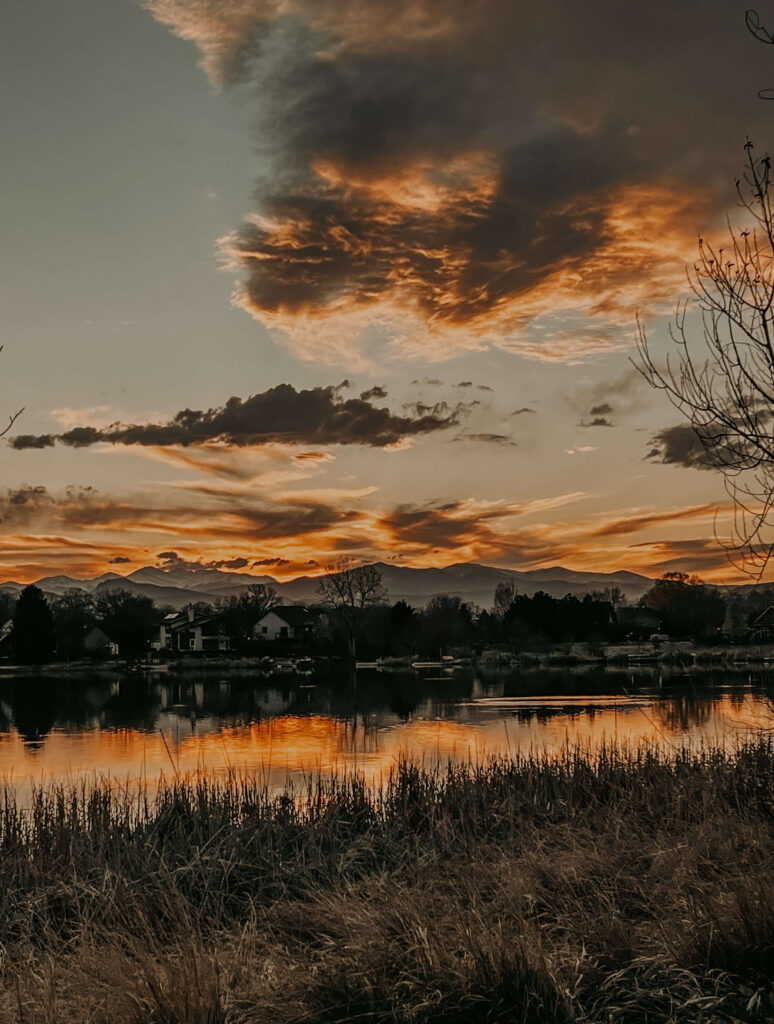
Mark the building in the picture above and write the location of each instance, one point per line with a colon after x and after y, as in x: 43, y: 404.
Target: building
x: 97, y: 643
x: 192, y: 630
x: 639, y: 623
x: 290, y: 622
x: 761, y: 629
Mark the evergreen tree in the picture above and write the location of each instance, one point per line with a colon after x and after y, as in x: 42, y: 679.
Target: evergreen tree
x: 33, y: 627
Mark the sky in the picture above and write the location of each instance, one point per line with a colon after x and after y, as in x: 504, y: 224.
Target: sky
x: 287, y: 283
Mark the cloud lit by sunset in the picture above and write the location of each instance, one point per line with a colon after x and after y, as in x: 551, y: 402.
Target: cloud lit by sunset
x: 442, y: 220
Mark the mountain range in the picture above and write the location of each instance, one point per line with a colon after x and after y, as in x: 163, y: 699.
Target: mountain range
x: 178, y: 585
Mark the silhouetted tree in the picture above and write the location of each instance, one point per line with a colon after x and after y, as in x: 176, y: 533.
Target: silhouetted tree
x: 614, y: 595
x: 447, y: 621
x: 33, y: 627
x: 73, y: 615
x: 241, y: 611
x: 347, y: 591
x: 763, y: 35
x: 12, y: 418
x: 687, y: 606
x: 7, y: 606
x: 504, y: 596
x: 722, y: 379
x: 130, y: 620
x: 403, y: 624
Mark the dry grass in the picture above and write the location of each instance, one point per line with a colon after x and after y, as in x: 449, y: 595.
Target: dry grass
x: 629, y: 887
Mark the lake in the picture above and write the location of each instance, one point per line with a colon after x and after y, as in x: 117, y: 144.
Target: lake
x: 131, y: 728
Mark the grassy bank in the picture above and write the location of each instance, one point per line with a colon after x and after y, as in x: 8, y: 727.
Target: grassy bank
x: 636, y: 887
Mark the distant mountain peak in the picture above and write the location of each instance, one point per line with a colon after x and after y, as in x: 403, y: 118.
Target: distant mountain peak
x: 471, y: 581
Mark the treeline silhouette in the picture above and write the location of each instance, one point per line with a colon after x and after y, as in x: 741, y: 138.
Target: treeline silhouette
x: 680, y: 606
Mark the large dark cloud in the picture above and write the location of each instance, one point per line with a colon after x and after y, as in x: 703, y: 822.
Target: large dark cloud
x: 454, y: 159
x: 280, y: 415
x: 680, y: 446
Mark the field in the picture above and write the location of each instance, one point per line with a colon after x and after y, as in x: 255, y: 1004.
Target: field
x: 632, y: 886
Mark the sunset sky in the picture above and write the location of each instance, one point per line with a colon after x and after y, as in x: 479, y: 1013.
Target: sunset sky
x: 290, y: 281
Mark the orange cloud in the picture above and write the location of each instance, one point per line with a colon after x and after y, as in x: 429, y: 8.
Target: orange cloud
x: 84, y: 532
x: 413, y: 272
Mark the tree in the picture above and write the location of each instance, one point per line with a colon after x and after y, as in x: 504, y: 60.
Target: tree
x: 130, y: 620
x: 347, y: 591
x: 447, y: 621
x: 762, y: 34
x: 33, y: 627
x: 7, y: 606
x: 73, y: 614
x: 504, y: 596
x: 722, y: 379
x: 240, y: 612
x: 687, y: 606
x: 614, y: 595
x: 12, y: 418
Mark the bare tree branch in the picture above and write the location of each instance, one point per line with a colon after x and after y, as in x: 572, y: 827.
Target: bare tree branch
x: 721, y: 374
x: 11, y: 419
x: 761, y: 33
x: 347, y: 591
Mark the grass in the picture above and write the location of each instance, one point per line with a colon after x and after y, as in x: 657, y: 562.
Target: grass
x: 634, y: 886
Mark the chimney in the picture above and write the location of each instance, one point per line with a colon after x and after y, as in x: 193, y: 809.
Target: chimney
x: 190, y: 610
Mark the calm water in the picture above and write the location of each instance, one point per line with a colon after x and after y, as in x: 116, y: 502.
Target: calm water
x: 131, y: 728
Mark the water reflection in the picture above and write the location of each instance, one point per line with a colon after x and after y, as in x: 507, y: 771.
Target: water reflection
x: 132, y: 727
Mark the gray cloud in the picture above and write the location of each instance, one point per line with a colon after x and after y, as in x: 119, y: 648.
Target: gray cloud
x: 119, y: 560
x: 488, y: 438
x: 597, y: 421
x: 679, y: 446
x: 280, y: 415
x: 375, y: 392
x: 451, y: 156
x: 172, y: 560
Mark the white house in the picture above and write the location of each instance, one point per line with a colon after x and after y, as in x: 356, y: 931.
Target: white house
x: 288, y: 622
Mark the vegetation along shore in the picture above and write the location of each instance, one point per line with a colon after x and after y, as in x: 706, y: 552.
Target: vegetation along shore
x: 631, y: 885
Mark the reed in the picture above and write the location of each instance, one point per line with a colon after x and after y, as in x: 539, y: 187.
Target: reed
x: 616, y: 885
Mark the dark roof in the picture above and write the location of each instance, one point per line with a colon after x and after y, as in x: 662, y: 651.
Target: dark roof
x: 98, y: 633
x: 294, y: 614
x: 183, y: 622
x: 766, y: 617
x: 636, y: 617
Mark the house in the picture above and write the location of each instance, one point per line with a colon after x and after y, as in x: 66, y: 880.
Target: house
x: 761, y: 629
x: 192, y: 630
x: 97, y: 643
x: 640, y: 623
x: 289, y: 622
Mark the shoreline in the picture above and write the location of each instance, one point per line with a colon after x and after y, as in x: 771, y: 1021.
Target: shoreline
x: 566, y: 655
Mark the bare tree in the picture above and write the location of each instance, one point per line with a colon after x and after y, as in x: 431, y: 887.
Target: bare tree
x: 240, y: 612
x: 505, y: 594
x: 722, y: 378
x: 763, y: 35
x: 347, y: 591
x: 11, y: 419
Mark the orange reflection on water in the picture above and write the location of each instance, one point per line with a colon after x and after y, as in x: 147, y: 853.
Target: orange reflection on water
x: 290, y: 746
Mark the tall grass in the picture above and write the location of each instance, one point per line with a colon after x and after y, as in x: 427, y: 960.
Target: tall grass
x: 634, y: 885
